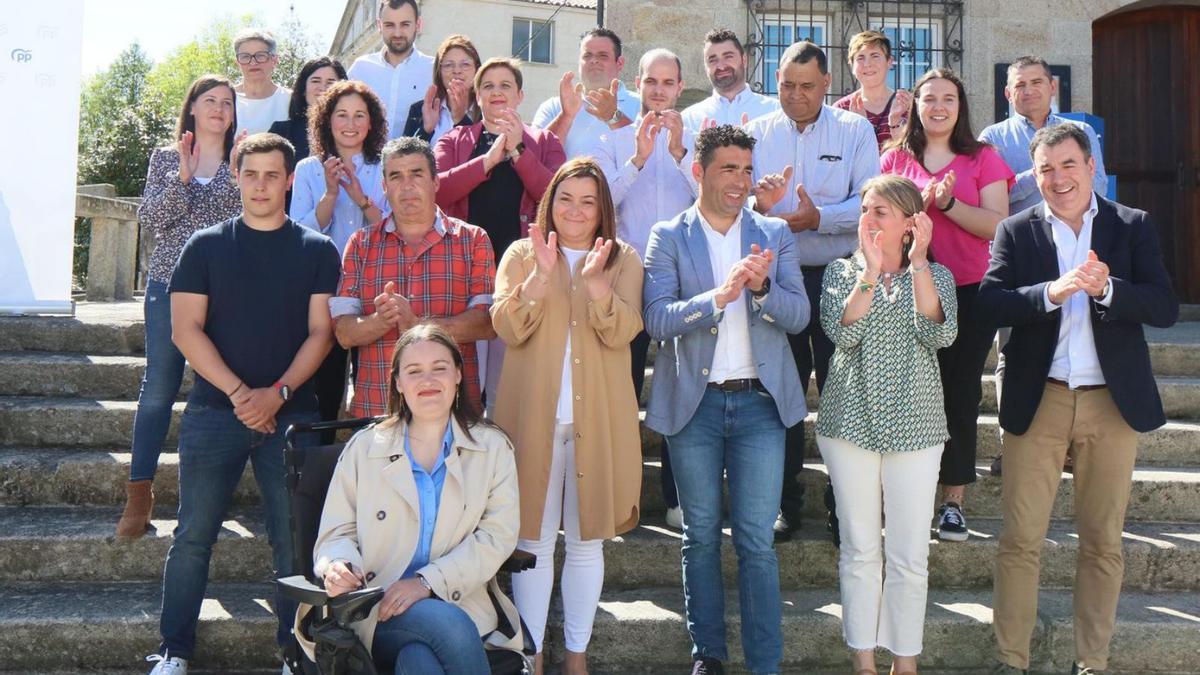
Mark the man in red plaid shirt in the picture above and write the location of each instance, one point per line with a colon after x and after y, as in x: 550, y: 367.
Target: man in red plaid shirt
x: 418, y: 265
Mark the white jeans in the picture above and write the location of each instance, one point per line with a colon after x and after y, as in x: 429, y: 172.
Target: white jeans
x: 583, y: 569
x: 883, y: 607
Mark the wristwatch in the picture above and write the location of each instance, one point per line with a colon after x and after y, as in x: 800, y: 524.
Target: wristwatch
x: 762, y: 292
x: 285, y: 392
x: 616, y: 117
x: 425, y: 583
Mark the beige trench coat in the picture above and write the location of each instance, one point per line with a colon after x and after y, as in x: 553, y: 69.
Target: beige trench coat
x: 371, y: 520
x: 608, y: 447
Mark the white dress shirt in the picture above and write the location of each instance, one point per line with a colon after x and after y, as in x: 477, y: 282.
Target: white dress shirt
x: 586, y: 128
x: 565, y: 413
x: 256, y: 115
x: 1075, y: 361
x: 832, y: 157
x: 309, y: 187
x: 660, y: 190
x: 733, y: 358
x: 729, y: 111
x: 398, y: 86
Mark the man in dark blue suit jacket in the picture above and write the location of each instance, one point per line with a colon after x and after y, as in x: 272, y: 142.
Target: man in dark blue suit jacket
x: 1076, y: 278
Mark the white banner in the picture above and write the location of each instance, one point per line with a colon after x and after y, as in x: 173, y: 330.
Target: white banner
x: 40, y: 44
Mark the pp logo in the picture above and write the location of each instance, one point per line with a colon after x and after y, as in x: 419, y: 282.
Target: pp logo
x: 21, y: 55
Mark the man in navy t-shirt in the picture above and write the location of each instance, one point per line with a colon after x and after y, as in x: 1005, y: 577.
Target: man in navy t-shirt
x: 250, y: 312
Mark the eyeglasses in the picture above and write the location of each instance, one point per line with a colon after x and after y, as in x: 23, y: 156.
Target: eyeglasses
x: 461, y: 65
x: 245, y: 58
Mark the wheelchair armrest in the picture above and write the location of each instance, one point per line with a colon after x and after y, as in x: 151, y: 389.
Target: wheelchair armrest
x: 302, y: 590
x: 354, y: 606
x: 519, y: 561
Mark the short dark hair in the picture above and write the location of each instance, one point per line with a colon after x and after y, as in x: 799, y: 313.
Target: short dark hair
x: 802, y: 52
x: 600, y: 31
x: 298, y: 107
x: 722, y: 136
x: 397, y: 4
x: 1051, y: 136
x: 409, y: 145
x: 718, y: 35
x: 1025, y: 62
x: 265, y: 142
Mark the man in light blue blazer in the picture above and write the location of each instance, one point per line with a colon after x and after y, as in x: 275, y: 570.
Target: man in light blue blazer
x: 723, y: 289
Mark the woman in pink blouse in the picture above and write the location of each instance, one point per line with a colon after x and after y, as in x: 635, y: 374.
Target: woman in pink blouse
x: 964, y: 183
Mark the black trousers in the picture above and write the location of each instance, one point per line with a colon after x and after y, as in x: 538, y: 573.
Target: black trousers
x: 330, y: 384
x: 639, y: 350
x: 962, y: 371
x: 811, y: 349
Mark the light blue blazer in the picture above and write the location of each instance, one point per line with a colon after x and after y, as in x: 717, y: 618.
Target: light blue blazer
x: 679, y: 310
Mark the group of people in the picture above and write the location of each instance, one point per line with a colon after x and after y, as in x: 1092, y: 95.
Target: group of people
x: 878, y: 242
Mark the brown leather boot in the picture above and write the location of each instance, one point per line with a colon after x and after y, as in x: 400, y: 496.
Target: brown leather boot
x: 139, y: 501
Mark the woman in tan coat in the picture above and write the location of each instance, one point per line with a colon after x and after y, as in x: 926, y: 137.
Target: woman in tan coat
x: 568, y: 302
x: 424, y: 504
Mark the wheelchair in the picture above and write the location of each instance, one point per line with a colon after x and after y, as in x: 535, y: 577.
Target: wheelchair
x: 330, y: 624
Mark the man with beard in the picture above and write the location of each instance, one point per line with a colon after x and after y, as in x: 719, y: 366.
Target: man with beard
x: 732, y: 100
x: 596, y: 104
x: 399, y: 74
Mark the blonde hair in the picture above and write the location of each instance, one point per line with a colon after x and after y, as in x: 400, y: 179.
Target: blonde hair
x: 868, y: 38
x: 901, y: 193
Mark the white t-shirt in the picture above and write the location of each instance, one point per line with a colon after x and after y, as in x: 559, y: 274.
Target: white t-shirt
x: 257, y: 114
x: 566, y: 403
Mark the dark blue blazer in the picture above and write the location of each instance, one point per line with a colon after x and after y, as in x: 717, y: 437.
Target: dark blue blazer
x: 1024, y: 261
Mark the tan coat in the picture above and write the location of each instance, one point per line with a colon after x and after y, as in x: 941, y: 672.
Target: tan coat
x: 608, y: 448
x: 476, y: 528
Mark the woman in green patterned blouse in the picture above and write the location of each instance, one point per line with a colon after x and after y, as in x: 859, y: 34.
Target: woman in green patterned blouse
x: 881, y: 424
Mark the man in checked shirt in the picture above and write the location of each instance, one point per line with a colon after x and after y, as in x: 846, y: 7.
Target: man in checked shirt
x: 418, y: 265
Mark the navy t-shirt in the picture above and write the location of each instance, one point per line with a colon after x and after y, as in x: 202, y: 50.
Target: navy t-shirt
x: 258, y: 285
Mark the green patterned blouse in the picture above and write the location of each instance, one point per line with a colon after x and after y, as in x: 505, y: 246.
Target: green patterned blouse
x: 884, y: 389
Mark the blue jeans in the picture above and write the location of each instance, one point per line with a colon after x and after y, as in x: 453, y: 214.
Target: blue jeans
x: 430, y: 638
x: 160, y: 383
x: 213, y: 449
x: 738, y: 434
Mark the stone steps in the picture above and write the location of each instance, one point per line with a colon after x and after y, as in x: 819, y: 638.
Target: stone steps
x: 82, y: 477
x: 75, y: 544
x: 642, y: 629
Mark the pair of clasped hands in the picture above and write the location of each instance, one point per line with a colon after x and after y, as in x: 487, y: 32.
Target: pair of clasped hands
x: 342, y: 577
x: 1091, y: 277
x: 394, y: 310
x: 748, y: 273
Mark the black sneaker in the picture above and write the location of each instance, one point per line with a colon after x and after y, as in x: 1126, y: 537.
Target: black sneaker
x: 706, y: 665
x: 787, y: 523
x: 952, y: 525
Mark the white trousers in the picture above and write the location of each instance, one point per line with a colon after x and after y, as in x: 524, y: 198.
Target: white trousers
x: 883, y: 605
x: 583, y: 569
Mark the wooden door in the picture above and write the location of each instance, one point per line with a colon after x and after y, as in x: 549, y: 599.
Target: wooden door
x: 1146, y: 86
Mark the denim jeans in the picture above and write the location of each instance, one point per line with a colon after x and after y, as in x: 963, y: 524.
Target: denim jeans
x: 160, y: 383
x: 213, y: 449
x: 430, y: 638
x: 738, y: 434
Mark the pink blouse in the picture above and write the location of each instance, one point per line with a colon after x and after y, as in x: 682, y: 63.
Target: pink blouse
x: 953, y: 246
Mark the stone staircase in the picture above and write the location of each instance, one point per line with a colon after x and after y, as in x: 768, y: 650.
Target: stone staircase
x: 74, y: 600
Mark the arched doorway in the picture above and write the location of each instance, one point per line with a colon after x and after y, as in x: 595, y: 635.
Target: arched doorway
x: 1146, y: 86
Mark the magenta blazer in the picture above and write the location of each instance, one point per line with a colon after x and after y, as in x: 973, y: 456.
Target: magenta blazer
x: 458, y: 174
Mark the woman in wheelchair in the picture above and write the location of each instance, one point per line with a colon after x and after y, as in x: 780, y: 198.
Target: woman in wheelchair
x: 425, y: 505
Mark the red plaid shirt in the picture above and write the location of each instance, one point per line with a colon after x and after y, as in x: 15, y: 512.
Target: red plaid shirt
x: 450, y: 271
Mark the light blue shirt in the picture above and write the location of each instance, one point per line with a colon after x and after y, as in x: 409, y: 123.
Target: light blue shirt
x: 398, y: 86
x: 429, y: 496
x: 661, y: 190
x: 586, y: 128
x: 1011, y: 138
x: 725, y: 111
x: 347, y: 218
x: 833, y: 157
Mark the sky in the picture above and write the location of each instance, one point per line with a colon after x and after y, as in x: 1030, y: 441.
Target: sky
x: 109, y: 26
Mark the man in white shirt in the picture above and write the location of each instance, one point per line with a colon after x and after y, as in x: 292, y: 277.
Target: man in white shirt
x: 1076, y: 278
x: 732, y: 100
x: 598, y: 103
x: 811, y: 160
x: 399, y: 74
x: 648, y: 166
x: 260, y: 102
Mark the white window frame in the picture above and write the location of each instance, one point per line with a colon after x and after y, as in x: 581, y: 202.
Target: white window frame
x: 533, y: 24
x: 936, y: 45
x: 821, y: 21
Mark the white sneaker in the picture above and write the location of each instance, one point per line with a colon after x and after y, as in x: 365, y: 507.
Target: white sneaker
x: 675, y: 518
x: 167, y: 665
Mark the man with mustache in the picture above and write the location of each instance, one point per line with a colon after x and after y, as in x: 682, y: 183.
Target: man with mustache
x: 732, y: 100
x: 399, y: 74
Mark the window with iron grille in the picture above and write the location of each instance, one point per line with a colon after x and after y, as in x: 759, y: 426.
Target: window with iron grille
x: 532, y: 40
x: 924, y: 34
